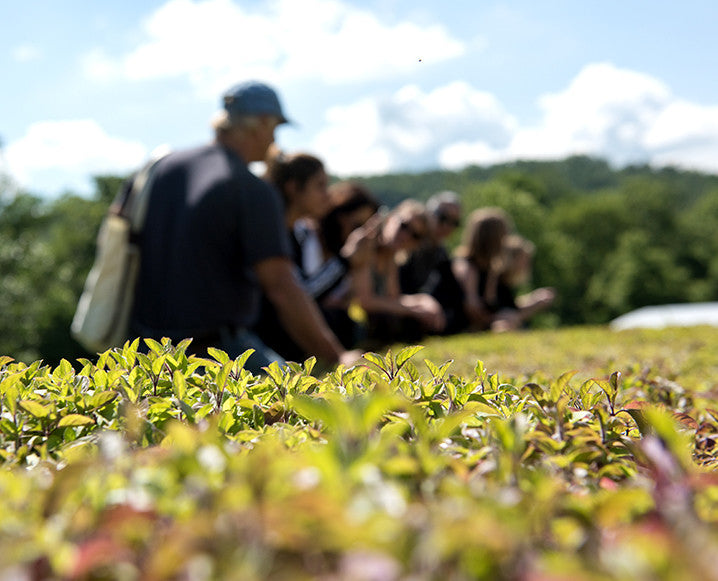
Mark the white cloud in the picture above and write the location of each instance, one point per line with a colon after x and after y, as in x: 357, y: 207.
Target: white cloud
x: 98, y: 67
x: 625, y: 117
x: 350, y: 45
x: 605, y: 111
x: 412, y: 129
x: 215, y: 42
x: 462, y: 153
x: 54, y: 156
x: 685, y: 134
x: 621, y: 115
x: 24, y: 53
x: 350, y: 144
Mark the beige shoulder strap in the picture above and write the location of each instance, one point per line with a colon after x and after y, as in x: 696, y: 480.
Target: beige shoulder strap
x: 140, y: 189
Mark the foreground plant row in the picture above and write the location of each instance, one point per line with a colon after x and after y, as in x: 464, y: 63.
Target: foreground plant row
x: 160, y: 465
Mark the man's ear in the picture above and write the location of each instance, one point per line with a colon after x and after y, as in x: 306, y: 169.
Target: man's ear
x: 268, y: 121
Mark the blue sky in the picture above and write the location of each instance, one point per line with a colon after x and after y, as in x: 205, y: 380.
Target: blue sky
x: 374, y: 85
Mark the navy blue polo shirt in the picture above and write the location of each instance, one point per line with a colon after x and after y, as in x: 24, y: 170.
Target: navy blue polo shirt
x: 209, y: 221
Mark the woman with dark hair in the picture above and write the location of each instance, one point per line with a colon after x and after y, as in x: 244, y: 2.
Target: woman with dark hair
x: 347, y: 232
x: 351, y: 205
x: 302, y: 181
x: 322, y: 261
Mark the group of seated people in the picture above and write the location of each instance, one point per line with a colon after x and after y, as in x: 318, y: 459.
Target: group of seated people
x: 381, y: 276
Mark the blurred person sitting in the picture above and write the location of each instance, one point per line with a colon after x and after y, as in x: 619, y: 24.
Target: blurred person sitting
x: 215, y: 238
x: 392, y: 315
x: 302, y: 182
x: 429, y: 268
x: 519, y: 253
x: 347, y: 232
x: 431, y: 260
x: 480, y: 264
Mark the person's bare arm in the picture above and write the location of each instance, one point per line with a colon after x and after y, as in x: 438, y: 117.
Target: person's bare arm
x: 391, y: 278
x: 297, y: 311
x: 536, y: 301
x: 370, y: 301
x: 420, y: 306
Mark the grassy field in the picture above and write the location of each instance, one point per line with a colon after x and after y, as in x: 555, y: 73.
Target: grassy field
x: 687, y: 355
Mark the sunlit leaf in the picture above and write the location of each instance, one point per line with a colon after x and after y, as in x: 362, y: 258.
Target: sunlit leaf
x: 154, y: 346
x: 479, y: 370
x: 560, y: 385
x: 314, y: 409
x: 100, y: 399
x: 275, y: 373
x: 309, y: 364
x: 35, y: 408
x: 242, y: 359
x: 157, y: 364
x: 376, y: 360
x: 639, y: 416
x: 219, y: 355
x: 8, y: 427
x: 433, y: 369
x: 407, y: 353
x: 63, y: 370
x: 75, y: 420
x: 179, y: 385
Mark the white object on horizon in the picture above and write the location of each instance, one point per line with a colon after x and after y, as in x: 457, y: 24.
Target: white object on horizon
x: 674, y: 315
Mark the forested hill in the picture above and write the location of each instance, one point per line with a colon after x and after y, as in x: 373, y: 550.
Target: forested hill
x: 548, y: 181
x: 608, y: 239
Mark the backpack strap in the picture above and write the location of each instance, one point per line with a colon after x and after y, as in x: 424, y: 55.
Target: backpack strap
x: 139, y: 197
x: 132, y: 199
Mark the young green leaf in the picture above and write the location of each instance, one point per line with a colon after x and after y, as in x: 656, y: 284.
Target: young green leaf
x: 154, y: 346
x: 242, y: 359
x: 407, y: 353
x: 219, y: 355
x: 73, y: 420
x: 376, y: 360
x: 35, y: 408
x: 179, y: 385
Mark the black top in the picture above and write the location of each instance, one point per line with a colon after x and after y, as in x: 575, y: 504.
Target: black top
x: 504, y: 298
x: 421, y: 267
x: 209, y: 221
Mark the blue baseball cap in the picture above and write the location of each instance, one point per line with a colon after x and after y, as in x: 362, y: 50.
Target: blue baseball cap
x: 253, y: 98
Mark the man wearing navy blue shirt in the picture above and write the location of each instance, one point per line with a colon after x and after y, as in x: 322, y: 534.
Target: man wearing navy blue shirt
x: 215, y: 239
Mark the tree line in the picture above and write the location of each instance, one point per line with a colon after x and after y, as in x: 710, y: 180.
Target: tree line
x: 609, y: 240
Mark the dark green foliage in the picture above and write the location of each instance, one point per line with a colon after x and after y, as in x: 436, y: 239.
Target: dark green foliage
x: 609, y: 240
x: 46, y: 250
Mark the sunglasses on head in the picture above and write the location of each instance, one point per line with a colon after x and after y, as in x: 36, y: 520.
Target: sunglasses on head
x: 449, y: 220
x: 406, y: 226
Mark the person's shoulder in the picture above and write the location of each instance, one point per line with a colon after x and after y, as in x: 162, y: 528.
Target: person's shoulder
x: 185, y: 154
x: 182, y: 160
x: 228, y: 171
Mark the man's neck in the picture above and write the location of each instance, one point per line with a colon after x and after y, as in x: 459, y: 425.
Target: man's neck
x: 237, y: 144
